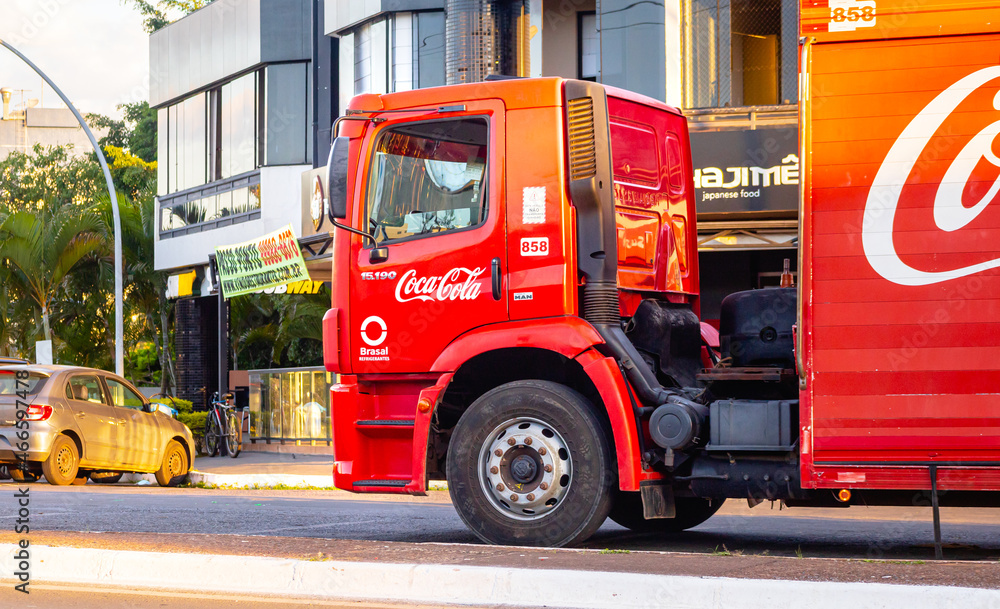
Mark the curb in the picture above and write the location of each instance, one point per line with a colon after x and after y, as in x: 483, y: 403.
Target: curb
x: 262, y: 481
x: 457, y: 585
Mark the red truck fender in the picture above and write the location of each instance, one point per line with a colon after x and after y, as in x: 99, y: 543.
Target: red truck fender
x: 569, y: 336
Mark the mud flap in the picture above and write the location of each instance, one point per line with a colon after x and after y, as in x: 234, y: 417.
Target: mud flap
x: 657, y: 501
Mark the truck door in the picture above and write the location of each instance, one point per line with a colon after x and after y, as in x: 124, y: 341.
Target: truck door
x: 431, y: 194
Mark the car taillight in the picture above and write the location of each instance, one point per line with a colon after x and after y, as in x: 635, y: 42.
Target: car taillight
x: 39, y: 413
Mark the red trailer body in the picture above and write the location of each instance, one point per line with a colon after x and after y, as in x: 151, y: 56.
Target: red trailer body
x: 901, y: 247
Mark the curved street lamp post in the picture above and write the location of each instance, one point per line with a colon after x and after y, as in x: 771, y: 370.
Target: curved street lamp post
x: 119, y: 342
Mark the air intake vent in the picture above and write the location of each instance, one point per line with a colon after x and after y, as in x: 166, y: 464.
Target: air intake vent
x: 582, y: 147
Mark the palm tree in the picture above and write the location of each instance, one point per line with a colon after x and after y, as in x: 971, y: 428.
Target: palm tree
x: 42, y: 247
x: 146, y: 288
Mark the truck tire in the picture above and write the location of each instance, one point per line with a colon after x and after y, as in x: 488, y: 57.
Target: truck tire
x: 691, y: 511
x: 530, y: 464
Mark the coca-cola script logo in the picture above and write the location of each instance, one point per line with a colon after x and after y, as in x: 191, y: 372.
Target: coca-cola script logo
x: 949, y: 212
x: 457, y: 284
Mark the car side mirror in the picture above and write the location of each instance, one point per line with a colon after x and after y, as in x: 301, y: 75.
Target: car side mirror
x: 336, y: 177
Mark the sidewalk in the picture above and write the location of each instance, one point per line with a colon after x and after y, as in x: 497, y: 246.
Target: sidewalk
x: 478, y: 575
x: 256, y: 469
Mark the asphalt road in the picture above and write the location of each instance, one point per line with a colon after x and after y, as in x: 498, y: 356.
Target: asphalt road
x: 898, y: 533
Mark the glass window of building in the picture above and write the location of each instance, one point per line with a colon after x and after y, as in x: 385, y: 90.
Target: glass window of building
x: 589, y: 45
x: 428, y: 49
x: 401, y: 73
x: 262, y: 117
x: 740, y: 53
x: 428, y: 178
x: 186, y: 129
x: 290, y: 405
x: 398, y: 52
x: 362, y: 59
x: 286, y: 114
x: 162, y: 150
x: 371, y: 58
x: 633, y: 46
x: 238, y: 126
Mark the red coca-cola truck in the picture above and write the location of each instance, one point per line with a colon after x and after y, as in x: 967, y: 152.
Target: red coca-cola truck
x: 515, y: 299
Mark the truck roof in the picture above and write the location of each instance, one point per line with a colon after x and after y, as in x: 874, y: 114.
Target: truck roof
x: 515, y: 92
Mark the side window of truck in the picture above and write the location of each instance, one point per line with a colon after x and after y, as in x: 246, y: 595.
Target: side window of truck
x: 427, y: 178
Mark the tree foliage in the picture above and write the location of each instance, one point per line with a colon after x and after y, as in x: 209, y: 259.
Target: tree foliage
x: 134, y: 132
x: 57, y: 257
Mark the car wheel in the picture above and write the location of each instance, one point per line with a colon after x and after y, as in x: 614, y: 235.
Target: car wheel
x: 19, y: 475
x: 174, y: 468
x: 105, y: 477
x: 213, y: 435
x: 691, y: 511
x: 4, y: 473
x: 530, y: 464
x: 63, y: 463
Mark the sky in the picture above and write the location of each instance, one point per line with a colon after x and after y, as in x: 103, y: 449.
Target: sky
x: 95, y: 51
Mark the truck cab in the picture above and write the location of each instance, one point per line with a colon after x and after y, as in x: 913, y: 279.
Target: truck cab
x: 489, y: 232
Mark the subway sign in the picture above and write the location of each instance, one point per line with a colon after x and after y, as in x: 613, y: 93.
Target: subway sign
x: 296, y: 287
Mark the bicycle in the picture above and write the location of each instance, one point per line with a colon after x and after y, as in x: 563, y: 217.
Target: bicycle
x: 223, y: 428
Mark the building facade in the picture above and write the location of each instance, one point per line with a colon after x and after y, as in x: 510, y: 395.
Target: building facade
x: 23, y: 125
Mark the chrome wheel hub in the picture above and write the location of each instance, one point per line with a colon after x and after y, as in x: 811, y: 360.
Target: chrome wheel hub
x: 525, y: 468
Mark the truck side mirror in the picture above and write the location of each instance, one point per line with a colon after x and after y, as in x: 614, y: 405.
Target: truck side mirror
x: 336, y: 177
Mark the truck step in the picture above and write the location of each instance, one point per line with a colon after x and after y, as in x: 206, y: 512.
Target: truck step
x: 380, y: 484
x: 384, y: 423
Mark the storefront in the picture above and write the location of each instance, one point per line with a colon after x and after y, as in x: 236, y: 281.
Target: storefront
x: 290, y: 406
x: 747, y: 190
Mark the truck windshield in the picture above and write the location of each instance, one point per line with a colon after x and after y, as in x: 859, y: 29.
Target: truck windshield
x: 428, y: 178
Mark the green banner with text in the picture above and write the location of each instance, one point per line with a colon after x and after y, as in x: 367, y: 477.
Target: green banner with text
x: 269, y: 261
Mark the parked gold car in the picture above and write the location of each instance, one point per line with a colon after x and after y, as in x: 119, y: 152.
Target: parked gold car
x: 82, y: 423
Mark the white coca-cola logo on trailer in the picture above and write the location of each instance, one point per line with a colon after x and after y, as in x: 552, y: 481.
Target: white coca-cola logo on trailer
x: 949, y: 212
x: 457, y: 284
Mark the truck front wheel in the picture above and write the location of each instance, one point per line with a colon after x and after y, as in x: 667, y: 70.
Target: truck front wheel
x: 529, y: 464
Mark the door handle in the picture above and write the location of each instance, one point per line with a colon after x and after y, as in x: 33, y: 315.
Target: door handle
x: 80, y: 415
x: 497, y: 279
